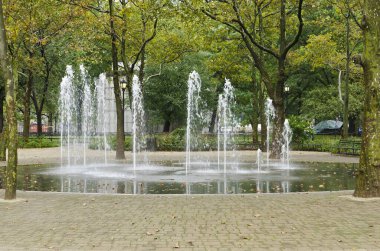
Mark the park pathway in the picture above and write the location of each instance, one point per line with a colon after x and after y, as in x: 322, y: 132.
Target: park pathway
x: 306, y: 221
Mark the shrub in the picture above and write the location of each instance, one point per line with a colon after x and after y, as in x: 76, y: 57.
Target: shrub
x: 174, y: 141
x: 301, y: 129
x: 38, y: 142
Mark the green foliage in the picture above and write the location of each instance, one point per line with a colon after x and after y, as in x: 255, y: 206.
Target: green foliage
x: 97, y: 143
x: 320, y: 51
x: 176, y: 141
x: 166, y: 95
x: 39, y: 142
x: 170, y: 142
x: 301, y: 129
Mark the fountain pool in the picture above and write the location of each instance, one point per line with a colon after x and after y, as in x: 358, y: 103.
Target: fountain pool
x: 170, y: 178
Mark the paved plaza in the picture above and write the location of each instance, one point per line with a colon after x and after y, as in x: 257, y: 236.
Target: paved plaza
x: 307, y: 221
x: 296, y: 221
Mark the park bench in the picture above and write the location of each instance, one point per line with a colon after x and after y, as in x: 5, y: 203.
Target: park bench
x: 348, y: 146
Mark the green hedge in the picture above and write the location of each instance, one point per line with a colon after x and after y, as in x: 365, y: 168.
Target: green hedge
x: 39, y: 142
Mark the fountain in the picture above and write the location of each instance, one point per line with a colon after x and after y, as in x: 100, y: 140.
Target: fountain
x: 86, y: 109
x: 287, y: 138
x: 101, y: 90
x: 87, y: 112
x: 138, y: 125
x: 82, y: 118
x: 226, y: 121
x: 258, y: 160
x: 65, y: 105
x: 193, y: 114
x: 270, y: 114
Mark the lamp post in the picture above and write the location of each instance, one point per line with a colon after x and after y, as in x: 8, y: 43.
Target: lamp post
x: 123, y: 85
x: 286, y: 90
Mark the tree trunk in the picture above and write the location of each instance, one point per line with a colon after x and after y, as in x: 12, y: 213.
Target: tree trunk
x: 120, y: 137
x: 347, y: 80
x: 39, y: 122
x: 3, y: 138
x: 255, y: 108
x: 263, y: 120
x: 3, y: 145
x: 261, y: 88
x: 278, y: 94
x: 278, y: 126
x: 368, y: 175
x: 2, y: 109
x: 142, y: 69
x: 28, y: 93
x: 10, y: 90
x: 50, y: 124
x: 213, y: 120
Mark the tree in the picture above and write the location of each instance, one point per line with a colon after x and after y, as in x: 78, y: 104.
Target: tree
x: 368, y: 175
x: 323, y: 64
x: 241, y: 21
x: 7, y: 70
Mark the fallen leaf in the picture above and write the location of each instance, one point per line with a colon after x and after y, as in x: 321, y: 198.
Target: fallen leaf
x: 149, y: 233
x: 176, y: 245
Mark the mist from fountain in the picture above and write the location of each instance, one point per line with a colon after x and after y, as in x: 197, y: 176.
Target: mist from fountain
x: 269, y: 114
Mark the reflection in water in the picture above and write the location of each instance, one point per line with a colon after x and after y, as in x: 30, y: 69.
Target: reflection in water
x: 171, y: 179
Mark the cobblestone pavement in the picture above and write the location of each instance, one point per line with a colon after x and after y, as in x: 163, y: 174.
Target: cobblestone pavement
x: 306, y: 221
